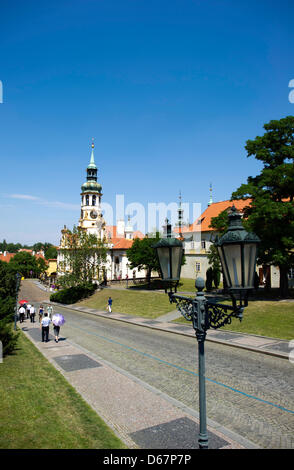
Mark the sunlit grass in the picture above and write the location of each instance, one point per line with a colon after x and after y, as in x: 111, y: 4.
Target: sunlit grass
x: 39, y: 409
x: 134, y: 302
x: 266, y: 318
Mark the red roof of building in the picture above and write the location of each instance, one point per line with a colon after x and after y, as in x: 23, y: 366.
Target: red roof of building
x: 203, y: 222
x: 138, y: 234
x: 7, y: 257
x: 121, y: 243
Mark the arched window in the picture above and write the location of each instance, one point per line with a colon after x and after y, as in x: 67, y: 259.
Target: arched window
x: 93, y: 200
x: 87, y: 200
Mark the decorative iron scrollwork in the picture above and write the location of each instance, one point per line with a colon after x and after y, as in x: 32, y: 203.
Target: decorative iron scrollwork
x: 214, y: 315
x: 184, y: 305
x: 218, y: 315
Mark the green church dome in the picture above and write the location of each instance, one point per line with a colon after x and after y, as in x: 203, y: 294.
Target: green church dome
x: 91, y: 186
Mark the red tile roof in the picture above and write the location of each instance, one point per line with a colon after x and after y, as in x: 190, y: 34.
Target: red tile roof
x: 7, y: 257
x: 138, y: 234
x: 111, y: 231
x: 121, y: 243
x: 203, y: 222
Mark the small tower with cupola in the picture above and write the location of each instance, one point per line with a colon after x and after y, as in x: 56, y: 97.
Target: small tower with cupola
x: 91, y: 218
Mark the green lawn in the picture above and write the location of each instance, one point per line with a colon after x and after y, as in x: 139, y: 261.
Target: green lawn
x: 266, y: 318
x: 40, y: 410
x: 134, y: 302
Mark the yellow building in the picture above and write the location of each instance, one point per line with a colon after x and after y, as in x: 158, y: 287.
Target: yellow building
x: 51, y: 270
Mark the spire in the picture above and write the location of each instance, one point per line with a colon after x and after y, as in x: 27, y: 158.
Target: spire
x: 92, y: 168
x: 180, y: 215
x: 210, y: 199
x: 92, y: 161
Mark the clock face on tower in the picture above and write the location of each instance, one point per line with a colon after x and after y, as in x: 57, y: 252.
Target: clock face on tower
x: 93, y: 215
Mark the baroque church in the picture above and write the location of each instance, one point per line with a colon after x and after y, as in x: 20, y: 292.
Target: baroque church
x: 116, y: 238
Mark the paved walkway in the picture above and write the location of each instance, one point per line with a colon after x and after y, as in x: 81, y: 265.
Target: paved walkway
x: 143, y: 417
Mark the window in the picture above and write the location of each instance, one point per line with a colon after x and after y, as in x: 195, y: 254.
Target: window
x: 203, y: 244
x: 291, y: 273
x: 198, y: 267
x: 87, y: 200
x: 93, y: 200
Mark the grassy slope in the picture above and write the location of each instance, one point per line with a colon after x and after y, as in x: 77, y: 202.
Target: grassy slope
x: 40, y: 410
x: 134, y: 302
x: 266, y: 318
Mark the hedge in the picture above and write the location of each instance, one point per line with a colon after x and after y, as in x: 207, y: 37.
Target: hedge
x: 73, y: 294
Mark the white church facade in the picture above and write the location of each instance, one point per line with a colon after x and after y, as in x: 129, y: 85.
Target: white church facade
x: 117, y: 239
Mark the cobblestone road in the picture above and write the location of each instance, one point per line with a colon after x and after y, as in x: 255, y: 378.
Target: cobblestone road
x: 248, y: 393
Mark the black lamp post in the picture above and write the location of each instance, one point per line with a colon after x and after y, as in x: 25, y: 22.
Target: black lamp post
x: 237, y: 249
x: 18, y: 278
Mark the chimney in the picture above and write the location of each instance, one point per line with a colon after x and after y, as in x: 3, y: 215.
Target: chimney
x: 120, y: 228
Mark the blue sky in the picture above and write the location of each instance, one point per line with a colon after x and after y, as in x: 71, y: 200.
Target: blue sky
x: 170, y: 91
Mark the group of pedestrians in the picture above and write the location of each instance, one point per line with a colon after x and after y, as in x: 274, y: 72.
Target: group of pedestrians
x: 45, y: 318
x: 27, y: 311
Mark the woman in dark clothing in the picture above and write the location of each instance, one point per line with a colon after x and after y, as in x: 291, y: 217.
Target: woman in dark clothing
x: 56, y: 330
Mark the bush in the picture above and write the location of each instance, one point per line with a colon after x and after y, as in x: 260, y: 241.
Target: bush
x: 8, y: 286
x: 209, y: 278
x: 8, y: 337
x: 216, y: 277
x: 73, y: 294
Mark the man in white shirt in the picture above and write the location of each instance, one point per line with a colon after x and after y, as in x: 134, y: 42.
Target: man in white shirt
x: 21, y: 314
x: 32, y: 314
x: 28, y: 310
x: 45, y: 327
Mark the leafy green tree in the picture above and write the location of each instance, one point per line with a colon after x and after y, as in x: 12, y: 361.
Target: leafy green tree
x: 271, y: 212
x: 83, y: 257
x: 38, y: 246
x: 27, y: 265
x: 142, y: 255
x: 51, y: 252
x: 7, y: 307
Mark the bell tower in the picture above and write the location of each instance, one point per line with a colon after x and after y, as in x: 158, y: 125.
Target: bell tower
x: 91, y: 217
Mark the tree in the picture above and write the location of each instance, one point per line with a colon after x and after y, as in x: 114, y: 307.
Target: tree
x: 7, y: 305
x: 271, y: 212
x: 27, y: 265
x: 142, y: 255
x: 51, y: 252
x: 83, y: 256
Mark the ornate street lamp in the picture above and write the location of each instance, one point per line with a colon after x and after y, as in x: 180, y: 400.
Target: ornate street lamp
x: 237, y: 249
x: 170, y: 255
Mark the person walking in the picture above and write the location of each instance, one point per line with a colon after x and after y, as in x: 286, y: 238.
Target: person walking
x: 56, y: 329
x: 41, y: 311
x: 28, y: 308
x: 21, y: 312
x: 110, y: 304
x: 45, y: 322
x: 50, y: 311
x: 32, y: 314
